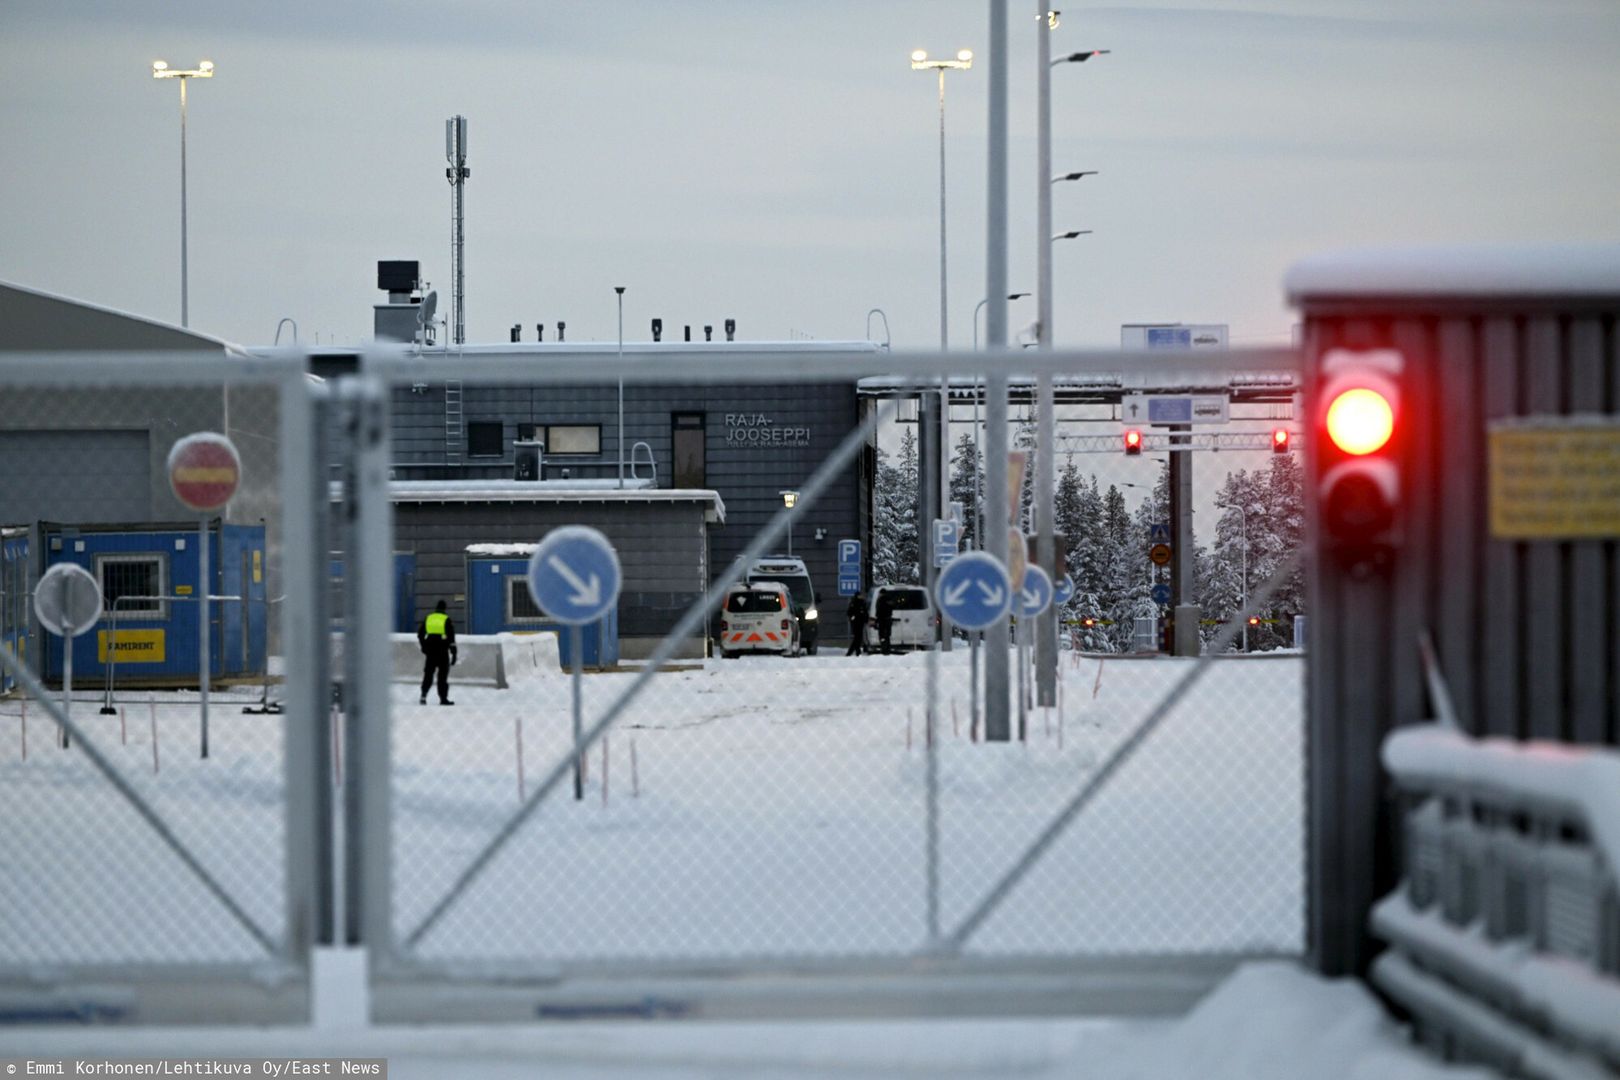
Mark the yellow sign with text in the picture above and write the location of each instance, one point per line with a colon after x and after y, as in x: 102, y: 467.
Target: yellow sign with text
x: 1555, y: 480
x: 134, y: 646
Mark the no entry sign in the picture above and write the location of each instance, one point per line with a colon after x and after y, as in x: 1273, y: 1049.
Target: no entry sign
x: 204, y: 470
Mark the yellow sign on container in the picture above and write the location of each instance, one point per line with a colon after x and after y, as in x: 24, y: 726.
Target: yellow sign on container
x: 1555, y: 479
x: 134, y: 646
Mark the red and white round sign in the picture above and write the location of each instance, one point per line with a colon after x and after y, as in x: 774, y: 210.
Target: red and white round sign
x: 204, y: 470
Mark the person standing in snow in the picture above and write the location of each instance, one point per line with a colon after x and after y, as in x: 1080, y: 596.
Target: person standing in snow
x: 437, y: 637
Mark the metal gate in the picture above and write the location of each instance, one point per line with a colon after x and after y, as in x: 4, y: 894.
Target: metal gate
x: 816, y: 817
x: 157, y: 870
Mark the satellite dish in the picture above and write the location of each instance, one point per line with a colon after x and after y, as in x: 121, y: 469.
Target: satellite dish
x: 430, y: 305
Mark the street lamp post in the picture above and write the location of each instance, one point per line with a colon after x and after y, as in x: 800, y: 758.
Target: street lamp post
x: 204, y: 70
x: 1046, y: 475
x: 935, y: 485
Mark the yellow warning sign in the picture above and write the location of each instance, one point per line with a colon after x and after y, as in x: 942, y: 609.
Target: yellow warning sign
x: 134, y: 646
x: 1555, y: 480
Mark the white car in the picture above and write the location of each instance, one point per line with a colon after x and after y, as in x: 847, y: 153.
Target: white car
x: 758, y: 617
x: 914, y: 622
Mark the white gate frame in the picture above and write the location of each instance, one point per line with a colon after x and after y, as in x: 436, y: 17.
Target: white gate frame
x: 936, y: 979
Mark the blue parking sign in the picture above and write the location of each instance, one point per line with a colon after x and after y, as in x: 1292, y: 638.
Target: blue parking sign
x: 849, y: 567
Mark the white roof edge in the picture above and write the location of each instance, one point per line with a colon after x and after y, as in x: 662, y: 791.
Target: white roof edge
x: 439, y: 491
x: 1552, y: 270
x: 231, y: 348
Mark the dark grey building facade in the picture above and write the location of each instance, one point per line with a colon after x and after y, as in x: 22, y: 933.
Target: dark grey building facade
x: 746, y: 442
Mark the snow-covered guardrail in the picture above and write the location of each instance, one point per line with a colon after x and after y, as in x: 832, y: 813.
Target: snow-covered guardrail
x: 1505, y: 932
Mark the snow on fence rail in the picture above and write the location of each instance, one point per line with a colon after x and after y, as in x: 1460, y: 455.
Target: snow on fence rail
x: 1506, y: 931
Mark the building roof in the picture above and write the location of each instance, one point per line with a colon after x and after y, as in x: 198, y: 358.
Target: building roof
x: 36, y: 321
x: 551, y: 491
x: 1545, y: 270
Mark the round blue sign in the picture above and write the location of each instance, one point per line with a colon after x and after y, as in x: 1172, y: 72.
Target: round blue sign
x: 1064, y: 591
x: 1036, y: 595
x: 574, y: 575
x: 974, y: 590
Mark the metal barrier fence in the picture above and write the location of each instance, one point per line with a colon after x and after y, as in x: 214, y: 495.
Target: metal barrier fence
x: 1505, y: 934
x: 826, y: 814
x: 143, y: 881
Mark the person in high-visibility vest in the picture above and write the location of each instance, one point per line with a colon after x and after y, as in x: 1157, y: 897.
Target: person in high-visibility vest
x: 437, y: 637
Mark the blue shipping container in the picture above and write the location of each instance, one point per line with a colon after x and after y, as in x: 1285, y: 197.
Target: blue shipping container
x: 498, y: 600
x: 157, y: 637
x: 13, y: 599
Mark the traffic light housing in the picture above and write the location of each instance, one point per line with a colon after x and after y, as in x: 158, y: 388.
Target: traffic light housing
x: 1133, y: 442
x: 1279, y: 441
x: 1359, y: 485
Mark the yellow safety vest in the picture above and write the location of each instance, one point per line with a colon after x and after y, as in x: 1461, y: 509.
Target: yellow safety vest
x: 435, y: 624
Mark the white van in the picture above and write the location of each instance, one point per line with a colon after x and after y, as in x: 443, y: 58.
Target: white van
x: 758, y: 618
x: 791, y: 572
x: 914, y: 621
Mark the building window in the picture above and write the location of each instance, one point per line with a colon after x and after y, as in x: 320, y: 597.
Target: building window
x: 128, y: 576
x: 485, y: 438
x: 577, y: 439
x: 520, y: 605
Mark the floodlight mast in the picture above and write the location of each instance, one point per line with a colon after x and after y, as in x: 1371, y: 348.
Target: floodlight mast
x: 455, y: 152
x: 204, y: 70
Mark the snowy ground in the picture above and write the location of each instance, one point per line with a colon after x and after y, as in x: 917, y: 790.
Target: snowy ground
x: 775, y: 807
x: 1268, y: 1022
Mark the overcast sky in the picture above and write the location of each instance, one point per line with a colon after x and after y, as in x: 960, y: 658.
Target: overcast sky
x: 777, y: 162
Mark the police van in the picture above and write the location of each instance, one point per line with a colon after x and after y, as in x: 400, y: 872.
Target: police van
x: 758, y: 618
x: 791, y: 572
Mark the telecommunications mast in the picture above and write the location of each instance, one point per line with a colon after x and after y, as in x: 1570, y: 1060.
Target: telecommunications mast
x: 455, y: 152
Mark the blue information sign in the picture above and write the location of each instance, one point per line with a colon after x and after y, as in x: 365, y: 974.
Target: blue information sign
x: 1064, y: 591
x: 849, y: 567
x: 1159, y: 532
x: 1036, y: 593
x: 974, y: 590
x: 574, y: 575
x: 1160, y: 594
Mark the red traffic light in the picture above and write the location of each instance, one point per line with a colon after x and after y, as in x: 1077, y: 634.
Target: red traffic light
x: 1254, y: 620
x: 1091, y: 622
x: 1360, y: 420
x: 1279, y: 441
x: 1133, y: 442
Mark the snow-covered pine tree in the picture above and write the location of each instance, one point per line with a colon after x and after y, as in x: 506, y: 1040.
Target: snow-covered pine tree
x: 894, y: 525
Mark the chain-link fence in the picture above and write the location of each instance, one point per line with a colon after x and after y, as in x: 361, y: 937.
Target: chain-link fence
x: 156, y: 796
x: 691, y: 780
x: 772, y: 807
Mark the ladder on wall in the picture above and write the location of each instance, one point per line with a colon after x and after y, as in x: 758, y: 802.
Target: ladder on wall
x: 453, y: 436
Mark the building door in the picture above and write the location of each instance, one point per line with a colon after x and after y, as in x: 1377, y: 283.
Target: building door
x: 686, y: 440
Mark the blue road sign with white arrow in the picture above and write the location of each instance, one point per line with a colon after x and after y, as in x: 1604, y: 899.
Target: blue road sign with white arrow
x: 974, y: 590
x: 1160, y: 593
x: 1036, y: 594
x: 1064, y: 592
x: 849, y: 567
x: 574, y: 575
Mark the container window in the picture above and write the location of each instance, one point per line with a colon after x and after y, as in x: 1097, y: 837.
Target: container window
x: 520, y: 605
x: 125, y: 577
